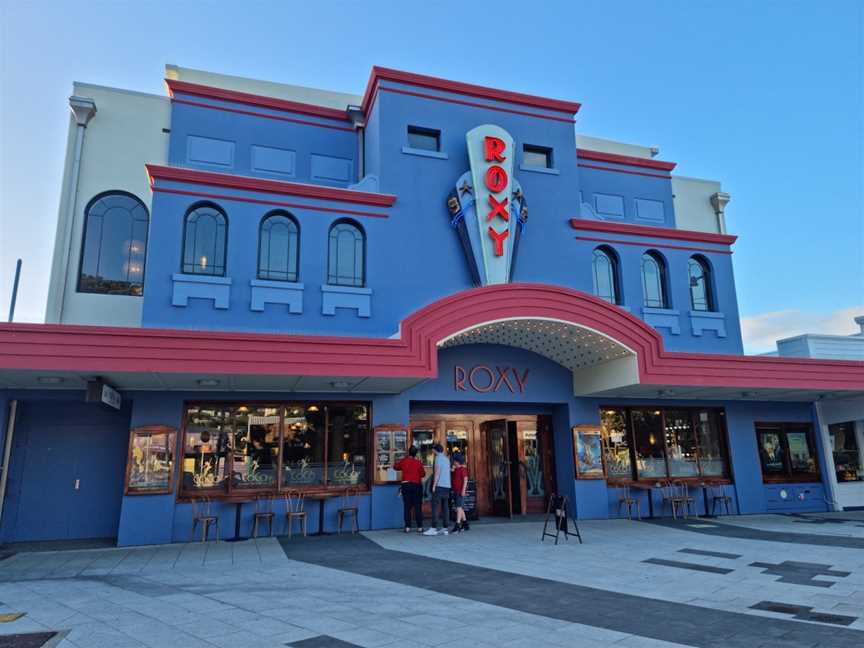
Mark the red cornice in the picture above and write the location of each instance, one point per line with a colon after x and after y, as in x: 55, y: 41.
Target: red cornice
x: 457, y: 87
x: 43, y: 347
x: 652, y: 232
x: 647, y: 163
x: 221, y: 94
x: 246, y: 183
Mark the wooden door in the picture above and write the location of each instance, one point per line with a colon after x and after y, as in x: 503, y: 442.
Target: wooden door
x: 500, y: 486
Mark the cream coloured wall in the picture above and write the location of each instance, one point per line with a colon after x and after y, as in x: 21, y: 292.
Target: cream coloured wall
x: 692, y: 200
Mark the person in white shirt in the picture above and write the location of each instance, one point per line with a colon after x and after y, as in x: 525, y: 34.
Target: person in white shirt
x: 440, y: 492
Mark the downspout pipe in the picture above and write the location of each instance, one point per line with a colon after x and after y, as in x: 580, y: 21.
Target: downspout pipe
x: 83, y: 110
x: 7, y: 453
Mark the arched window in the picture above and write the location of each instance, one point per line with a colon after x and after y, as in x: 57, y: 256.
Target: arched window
x: 114, y: 245
x: 346, y: 255
x: 701, y: 294
x: 654, y: 280
x: 605, y: 267
x: 278, y: 247
x: 205, y: 240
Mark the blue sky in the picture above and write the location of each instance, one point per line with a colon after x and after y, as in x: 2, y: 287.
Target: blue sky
x: 765, y: 96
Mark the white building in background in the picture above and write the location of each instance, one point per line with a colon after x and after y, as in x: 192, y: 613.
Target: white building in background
x: 842, y: 421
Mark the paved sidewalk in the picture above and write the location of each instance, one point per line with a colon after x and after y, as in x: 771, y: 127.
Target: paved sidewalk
x: 630, y: 584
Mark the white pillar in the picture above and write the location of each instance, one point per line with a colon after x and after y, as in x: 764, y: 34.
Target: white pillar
x: 830, y: 471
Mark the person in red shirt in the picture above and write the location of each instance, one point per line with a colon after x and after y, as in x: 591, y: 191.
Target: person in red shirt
x: 413, y: 473
x: 460, y: 488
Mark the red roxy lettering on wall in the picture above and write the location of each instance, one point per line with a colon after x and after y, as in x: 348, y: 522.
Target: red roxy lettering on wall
x: 496, y: 181
x: 484, y: 379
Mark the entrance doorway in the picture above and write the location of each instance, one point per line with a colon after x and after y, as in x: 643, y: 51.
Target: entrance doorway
x: 510, y: 458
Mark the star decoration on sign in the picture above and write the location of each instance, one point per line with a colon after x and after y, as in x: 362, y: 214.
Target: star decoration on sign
x: 466, y: 188
x: 517, y: 195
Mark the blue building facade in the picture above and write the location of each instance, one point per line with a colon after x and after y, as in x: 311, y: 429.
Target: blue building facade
x: 322, y: 287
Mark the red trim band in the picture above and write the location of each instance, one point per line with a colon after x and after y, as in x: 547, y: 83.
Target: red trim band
x: 652, y: 232
x: 668, y: 246
x: 627, y: 171
x: 600, y: 156
x: 246, y: 183
x: 275, y: 203
x: 305, y: 122
x: 221, y: 94
x: 457, y: 87
x: 475, y: 104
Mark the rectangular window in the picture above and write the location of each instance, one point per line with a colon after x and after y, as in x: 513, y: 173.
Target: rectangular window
x: 274, y: 446
x: 650, y: 444
x: 424, y: 139
x: 391, y: 445
x: 787, y: 452
x: 150, y: 465
x: 844, y: 446
x: 537, y: 156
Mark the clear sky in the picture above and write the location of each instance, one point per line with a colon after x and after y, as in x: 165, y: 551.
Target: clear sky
x: 764, y: 96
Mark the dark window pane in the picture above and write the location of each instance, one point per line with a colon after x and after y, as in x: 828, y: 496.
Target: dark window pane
x: 347, y: 444
x: 700, y: 298
x: 278, y: 249
x: 204, y: 241
x: 605, y: 276
x: 537, y: 156
x: 710, y: 444
x: 206, y: 448
x: 648, y: 439
x: 771, y: 452
x: 346, y: 255
x: 425, y: 139
x: 114, y: 246
x: 844, y: 446
x: 653, y: 281
x: 256, y: 447
x: 680, y: 443
x: 303, y: 446
x: 616, y: 443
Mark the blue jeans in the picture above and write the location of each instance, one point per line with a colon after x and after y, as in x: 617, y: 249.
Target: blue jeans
x: 441, y: 500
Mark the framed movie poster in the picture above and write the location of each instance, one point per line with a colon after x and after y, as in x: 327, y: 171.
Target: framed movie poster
x: 588, y: 447
x: 150, y: 464
x: 391, y: 444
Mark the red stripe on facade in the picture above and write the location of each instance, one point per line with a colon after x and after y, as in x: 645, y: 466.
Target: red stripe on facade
x: 305, y: 122
x: 626, y: 171
x: 247, y: 183
x: 221, y: 94
x: 48, y: 347
x: 409, y: 78
x: 652, y: 232
x: 259, y: 201
x: 665, y: 246
x: 474, y: 104
x: 630, y: 160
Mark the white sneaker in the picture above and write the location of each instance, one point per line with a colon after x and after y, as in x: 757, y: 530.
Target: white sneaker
x: 430, y: 532
x: 444, y: 532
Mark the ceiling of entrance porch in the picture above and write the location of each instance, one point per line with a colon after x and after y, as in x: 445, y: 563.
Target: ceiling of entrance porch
x: 569, y: 345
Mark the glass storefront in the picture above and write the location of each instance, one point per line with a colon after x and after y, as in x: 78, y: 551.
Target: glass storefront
x: 848, y: 462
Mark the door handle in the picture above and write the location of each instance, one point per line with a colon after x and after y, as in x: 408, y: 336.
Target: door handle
x: 77, y: 484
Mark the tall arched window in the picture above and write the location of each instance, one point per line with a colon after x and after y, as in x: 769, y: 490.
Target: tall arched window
x: 278, y: 247
x: 346, y: 254
x: 114, y: 245
x: 205, y: 240
x: 605, y: 267
x: 701, y: 294
x: 654, y: 280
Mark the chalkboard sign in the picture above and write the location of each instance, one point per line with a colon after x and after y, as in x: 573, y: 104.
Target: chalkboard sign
x: 469, y: 502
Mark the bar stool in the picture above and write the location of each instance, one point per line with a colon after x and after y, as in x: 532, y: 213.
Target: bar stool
x: 294, y: 503
x: 688, y: 500
x: 350, y: 508
x: 201, y: 515
x: 718, y: 494
x: 630, y: 501
x: 263, y: 511
x: 673, y: 498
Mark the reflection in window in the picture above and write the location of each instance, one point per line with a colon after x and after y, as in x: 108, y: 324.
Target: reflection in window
x: 844, y: 445
x: 711, y: 460
x: 605, y: 267
x: 278, y: 247
x: 151, y: 460
x: 205, y: 239
x: 616, y: 443
x: 537, y: 156
x: 787, y: 452
x: 680, y: 443
x: 654, y: 281
x: 206, y: 448
x: 648, y: 443
x: 256, y: 447
x: 701, y: 298
x: 424, y: 139
x: 347, y: 444
x: 303, y: 446
x: 114, y: 245
x: 346, y: 256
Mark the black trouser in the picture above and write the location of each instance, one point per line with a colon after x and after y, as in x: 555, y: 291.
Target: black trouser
x: 412, y: 499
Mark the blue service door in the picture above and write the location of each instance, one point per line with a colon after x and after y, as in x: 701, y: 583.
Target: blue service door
x: 66, y: 472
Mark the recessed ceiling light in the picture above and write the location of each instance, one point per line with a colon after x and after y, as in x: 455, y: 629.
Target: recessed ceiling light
x: 50, y: 380
x: 208, y: 382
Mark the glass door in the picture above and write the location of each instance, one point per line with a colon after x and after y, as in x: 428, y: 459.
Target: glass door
x: 499, y: 466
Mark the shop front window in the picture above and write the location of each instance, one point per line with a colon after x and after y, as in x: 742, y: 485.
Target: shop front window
x: 787, y: 452
x: 847, y: 457
x: 423, y: 438
x: 616, y: 443
x: 711, y: 461
x: 303, y: 446
x: 680, y: 443
x: 206, y: 447
x: 347, y: 440
x: 256, y: 447
x: 648, y: 443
